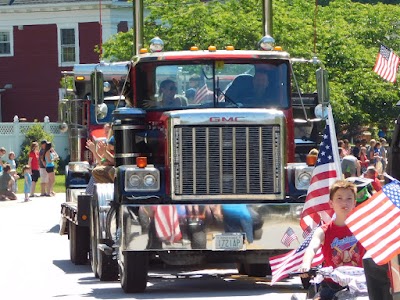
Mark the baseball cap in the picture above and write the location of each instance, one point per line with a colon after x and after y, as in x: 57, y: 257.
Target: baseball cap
x: 43, y: 142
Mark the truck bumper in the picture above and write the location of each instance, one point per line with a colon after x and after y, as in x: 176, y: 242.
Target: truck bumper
x: 213, y: 229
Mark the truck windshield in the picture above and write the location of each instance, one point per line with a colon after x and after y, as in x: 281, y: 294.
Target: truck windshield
x: 215, y: 84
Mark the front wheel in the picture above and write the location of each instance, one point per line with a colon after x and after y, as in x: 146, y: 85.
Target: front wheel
x: 134, y: 271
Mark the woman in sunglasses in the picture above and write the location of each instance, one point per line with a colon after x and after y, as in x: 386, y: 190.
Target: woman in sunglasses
x: 167, y: 94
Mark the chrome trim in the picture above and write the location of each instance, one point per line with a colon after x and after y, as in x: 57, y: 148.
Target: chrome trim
x: 127, y: 127
x: 226, y: 147
x: 268, y: 223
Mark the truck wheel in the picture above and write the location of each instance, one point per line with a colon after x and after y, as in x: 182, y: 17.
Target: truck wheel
x: 199, y: 240
x: 78, y: 243
x: 258, y: 270
x: 134, y: 272
x: 107, y: 267
x: 93, y: 241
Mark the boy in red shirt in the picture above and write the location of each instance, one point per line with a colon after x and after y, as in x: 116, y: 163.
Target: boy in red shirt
x: 339, y: 245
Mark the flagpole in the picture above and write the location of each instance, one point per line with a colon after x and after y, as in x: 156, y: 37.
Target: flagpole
x: 335, y: 147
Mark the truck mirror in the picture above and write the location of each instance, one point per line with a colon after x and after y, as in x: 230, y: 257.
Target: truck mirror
x: 97, y: 82
x: 101, y: 111
x: 322, y: 87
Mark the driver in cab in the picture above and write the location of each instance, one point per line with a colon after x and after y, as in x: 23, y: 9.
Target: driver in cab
x: 251, y: 91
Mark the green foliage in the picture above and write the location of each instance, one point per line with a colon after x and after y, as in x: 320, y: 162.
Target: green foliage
x: 35, y: 133
x: 347, y: 34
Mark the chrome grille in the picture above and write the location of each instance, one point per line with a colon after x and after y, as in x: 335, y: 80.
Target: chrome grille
x: 222, y: 160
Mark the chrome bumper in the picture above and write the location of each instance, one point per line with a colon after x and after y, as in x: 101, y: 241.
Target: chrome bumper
x: 203, y: 227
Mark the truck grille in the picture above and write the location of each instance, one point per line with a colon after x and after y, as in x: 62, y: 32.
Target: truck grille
x: 221, y: 160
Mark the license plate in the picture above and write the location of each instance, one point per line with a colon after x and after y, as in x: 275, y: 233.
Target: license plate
x: 229, y: 241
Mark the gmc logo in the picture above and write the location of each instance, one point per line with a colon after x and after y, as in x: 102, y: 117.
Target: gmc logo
x: 224, y: 119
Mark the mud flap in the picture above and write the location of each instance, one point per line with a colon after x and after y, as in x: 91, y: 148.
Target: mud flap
x: 63, y: 225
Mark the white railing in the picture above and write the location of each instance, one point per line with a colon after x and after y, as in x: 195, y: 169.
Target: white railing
x: 12, y: 135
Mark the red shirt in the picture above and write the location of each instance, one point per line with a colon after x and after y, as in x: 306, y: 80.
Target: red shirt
x: 35, y: 160
x: 341, y: 247
x: 376, y: 184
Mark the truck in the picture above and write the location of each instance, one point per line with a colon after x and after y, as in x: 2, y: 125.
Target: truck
x: 82, y: 120
x: 220, y: 179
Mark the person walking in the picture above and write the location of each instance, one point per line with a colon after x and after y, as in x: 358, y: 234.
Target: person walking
x: 44, y: 177
x: 33, y: 163
x: 27, y: 182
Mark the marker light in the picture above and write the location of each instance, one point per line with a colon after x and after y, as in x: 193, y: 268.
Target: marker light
x: 194, y: 48
x: 156, y: 45
x: 212, y: 48
x: 266, y: 43
x: 143, y: 51
x: 141, y: 161
x: 84, y: 217
x: 229, y: 48
x: 278, y: 48
x: 311, y: 160
x: 80, y: 78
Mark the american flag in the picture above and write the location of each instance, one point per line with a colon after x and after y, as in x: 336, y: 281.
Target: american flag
x: 167, y: 223
x: 284, y: 264
x: 202, y: 94
x: 325, y: 173
x: 386, y: 64
x: 376, y: 223
x: 288, y: 237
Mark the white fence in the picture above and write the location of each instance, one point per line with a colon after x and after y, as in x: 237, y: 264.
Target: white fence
x: 12, y: 135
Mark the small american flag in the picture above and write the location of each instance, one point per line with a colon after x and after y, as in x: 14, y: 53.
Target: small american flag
x: 288, y: 237
x: 376, y: 223
x: 202, y: 94
x: 307, y: 231
x: 386, y: 64
x: 327, y: 170
x: 284, y: 264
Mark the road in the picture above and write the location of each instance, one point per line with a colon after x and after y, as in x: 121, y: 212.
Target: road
x: 34, y: 264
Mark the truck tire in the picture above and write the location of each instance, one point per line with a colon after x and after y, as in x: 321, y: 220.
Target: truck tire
x: 134, y: 272
x: 107, y: 267
x: 257, y: 270
x: 93, y: 241
x: 78, y: 243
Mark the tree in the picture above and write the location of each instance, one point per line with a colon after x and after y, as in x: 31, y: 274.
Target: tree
x: 348, y: 35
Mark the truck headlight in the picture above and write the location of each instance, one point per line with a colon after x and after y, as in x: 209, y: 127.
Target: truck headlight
x: 149, y: 180
x: 303, y: 177
x: 134, y: 181
x: 142, y: 179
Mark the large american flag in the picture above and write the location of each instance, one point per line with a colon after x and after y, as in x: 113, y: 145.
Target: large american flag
x: 284, y: 264
x: 326, y: 172
x: 386, y: 64
x: 376, y: 223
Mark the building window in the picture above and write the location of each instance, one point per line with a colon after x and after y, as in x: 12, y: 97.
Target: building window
x: 68, y: 46
x: 6, y: 43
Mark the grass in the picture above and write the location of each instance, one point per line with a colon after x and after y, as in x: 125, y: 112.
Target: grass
x: 59, y: 186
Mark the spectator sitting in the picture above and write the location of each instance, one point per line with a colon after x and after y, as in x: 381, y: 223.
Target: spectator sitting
x: 5, y: 184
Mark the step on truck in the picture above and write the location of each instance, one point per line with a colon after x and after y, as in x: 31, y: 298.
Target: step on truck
x: 220, y: 176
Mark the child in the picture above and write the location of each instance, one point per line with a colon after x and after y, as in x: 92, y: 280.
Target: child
x: 339, y: 246
x: 27, y: 181
x: 5, y: 183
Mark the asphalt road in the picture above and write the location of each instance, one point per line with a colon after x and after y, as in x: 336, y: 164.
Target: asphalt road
x: 34, y: 264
